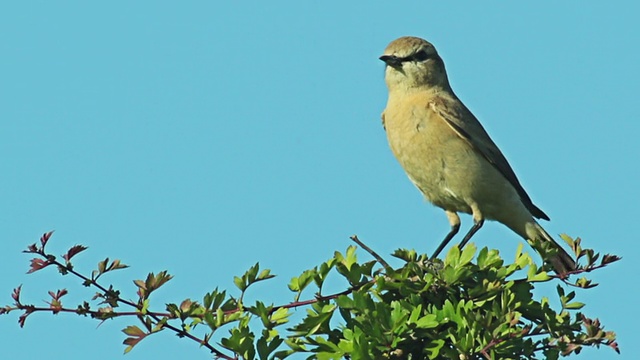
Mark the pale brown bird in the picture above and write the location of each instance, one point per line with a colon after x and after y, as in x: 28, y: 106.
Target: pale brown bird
x: 446, y: 152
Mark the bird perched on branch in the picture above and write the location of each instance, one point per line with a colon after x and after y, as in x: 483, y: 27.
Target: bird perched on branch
x: 448, y: 155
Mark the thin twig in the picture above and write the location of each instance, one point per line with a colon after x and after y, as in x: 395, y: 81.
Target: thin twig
x: 378, y: 258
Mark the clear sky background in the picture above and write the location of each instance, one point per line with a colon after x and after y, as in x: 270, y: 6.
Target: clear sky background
x: 201, y: 137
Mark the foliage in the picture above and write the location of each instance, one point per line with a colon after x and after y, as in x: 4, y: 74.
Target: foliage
x: 471, y: 305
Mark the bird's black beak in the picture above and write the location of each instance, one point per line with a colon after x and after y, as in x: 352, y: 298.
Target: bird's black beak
x: 391, y: 60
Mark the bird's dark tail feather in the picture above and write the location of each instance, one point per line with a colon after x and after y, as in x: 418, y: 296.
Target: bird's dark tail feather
x: 562, y: 262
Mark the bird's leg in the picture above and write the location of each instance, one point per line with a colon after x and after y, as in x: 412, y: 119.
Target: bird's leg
x: 454, y: 220
x: 478, y: 221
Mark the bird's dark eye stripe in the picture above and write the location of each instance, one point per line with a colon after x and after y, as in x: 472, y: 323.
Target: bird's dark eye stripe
x: 419, y: 56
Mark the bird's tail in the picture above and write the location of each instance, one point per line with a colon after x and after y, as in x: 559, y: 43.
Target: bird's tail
x: 562, y: 262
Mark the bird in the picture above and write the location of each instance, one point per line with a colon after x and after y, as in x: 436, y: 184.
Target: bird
x: 448, y: 155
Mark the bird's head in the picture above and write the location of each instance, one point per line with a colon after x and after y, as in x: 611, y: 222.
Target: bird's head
x: 413, y: 63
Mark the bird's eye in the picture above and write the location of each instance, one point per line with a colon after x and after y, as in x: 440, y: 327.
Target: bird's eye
x: 420, y: 56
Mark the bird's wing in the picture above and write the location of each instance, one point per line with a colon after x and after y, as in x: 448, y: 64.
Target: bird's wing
x: 465, y: 124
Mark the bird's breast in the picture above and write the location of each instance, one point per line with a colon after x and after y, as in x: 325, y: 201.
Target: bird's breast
x: 423, y: 144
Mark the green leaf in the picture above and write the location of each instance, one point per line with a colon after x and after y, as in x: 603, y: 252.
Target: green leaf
x: 265, y: 274
x: 145, y: 307
x: 240, y: 284
x: 136, y: 335
x: 539, y: 277
x: 576, y: 305
x: 345, y: 302
x: 427, y: 322
x: 433, y: 348
x: 453, y: 257
x: 133, y: 330
x: 467, y: 254
x: 280, y: 316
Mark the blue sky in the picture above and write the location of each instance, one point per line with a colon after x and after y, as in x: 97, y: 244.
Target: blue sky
x: 206, y: 136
